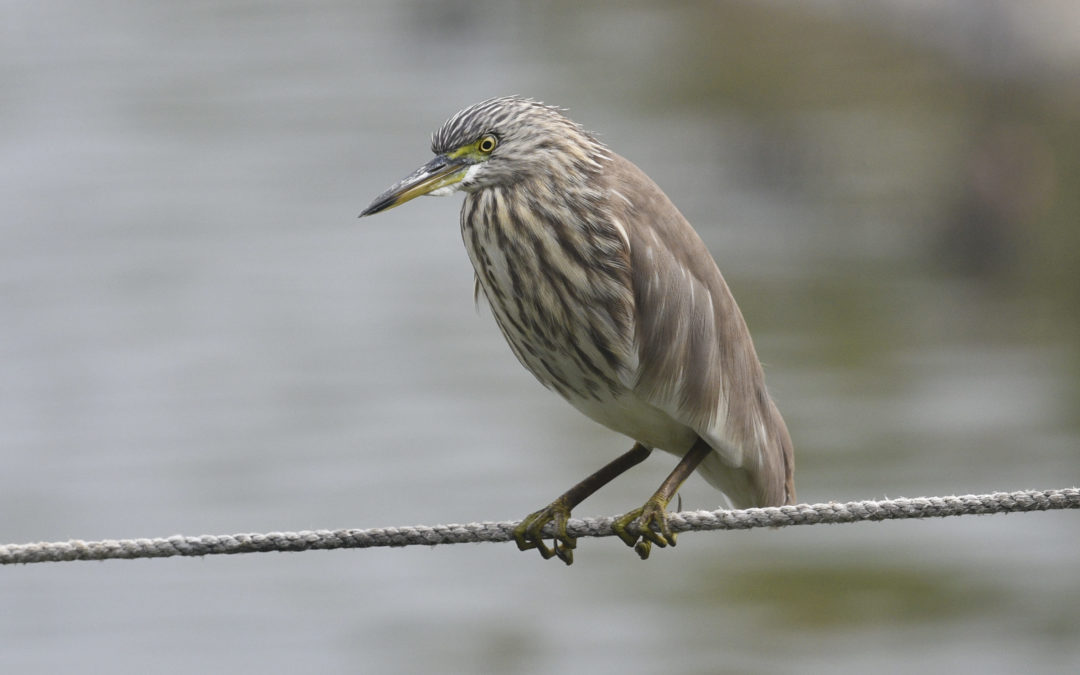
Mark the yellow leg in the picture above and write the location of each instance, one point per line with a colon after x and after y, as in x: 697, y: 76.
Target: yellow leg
x: 529, y: 533
x: 652, y: 526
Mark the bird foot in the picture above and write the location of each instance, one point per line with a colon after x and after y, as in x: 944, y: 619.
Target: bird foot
x: 529, y: 534
x: 652, y: 527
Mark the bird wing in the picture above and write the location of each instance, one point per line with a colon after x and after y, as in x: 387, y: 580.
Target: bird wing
x: 696, y: 360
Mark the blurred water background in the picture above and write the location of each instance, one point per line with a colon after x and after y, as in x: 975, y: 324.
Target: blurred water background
x: 198, y: 336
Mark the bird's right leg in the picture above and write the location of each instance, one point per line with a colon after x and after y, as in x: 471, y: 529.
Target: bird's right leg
x: 652, y: 518
x: 529, y: 534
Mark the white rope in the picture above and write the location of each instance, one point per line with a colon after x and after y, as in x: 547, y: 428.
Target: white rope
x: 686, y: 521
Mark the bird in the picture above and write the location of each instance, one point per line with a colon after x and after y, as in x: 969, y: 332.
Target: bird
x: 609, y: 297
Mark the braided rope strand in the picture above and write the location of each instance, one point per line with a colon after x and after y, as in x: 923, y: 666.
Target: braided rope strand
x: 686, y: 521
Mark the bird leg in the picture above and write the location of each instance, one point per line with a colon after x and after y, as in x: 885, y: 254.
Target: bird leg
x: 653, y: 527
x: 529, y: 533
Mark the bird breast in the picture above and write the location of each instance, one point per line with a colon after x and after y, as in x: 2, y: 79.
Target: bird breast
x: 559, y: 288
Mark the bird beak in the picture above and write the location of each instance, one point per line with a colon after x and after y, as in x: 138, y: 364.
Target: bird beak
x: 439, y: 173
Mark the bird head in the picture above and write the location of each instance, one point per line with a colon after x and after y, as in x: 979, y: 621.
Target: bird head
x: 498, y: 142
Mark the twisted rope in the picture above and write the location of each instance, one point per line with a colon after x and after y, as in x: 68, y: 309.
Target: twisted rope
x: 686, y: 521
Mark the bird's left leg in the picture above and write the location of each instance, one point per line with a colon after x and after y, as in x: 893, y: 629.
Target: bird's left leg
x: 652, y: 518
x: 529, y: 534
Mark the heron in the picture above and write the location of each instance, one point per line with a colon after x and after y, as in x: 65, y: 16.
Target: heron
x: 609, y: 297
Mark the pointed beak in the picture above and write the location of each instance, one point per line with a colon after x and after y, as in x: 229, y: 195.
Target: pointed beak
x: 440, y: 172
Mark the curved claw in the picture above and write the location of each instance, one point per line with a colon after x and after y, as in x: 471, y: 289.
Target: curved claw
x: 652, y: 528
x: 529, y: 533
x: 622, y: 522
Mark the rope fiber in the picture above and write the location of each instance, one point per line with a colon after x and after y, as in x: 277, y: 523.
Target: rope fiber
x: 686, y: 521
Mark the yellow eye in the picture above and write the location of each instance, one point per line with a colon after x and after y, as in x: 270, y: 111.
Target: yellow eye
x: 487, y: 143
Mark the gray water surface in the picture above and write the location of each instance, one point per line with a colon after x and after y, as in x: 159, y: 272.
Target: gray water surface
x: 198, y: 336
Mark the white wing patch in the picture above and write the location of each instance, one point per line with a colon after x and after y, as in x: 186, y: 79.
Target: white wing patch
x: 622, y: 233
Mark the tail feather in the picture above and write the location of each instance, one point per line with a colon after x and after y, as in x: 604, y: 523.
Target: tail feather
x: 768, y: 482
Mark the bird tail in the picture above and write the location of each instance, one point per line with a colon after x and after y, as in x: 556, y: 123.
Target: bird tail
x: 770, y: 481
x: 779, y: 479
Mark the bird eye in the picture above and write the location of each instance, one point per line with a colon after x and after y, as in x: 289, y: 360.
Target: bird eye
x: 487, y: 144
